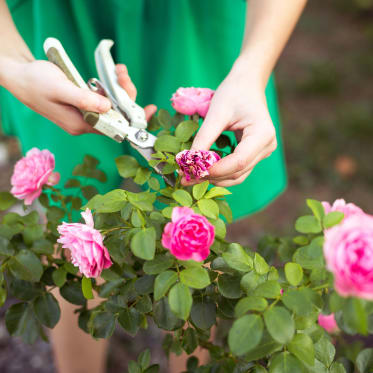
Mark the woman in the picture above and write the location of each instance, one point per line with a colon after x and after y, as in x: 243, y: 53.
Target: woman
x: 165, y: 44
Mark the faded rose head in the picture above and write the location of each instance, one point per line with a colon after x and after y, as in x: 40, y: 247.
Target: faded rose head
x: 189, y: 235
x: 86, y: 246
x: 340, y: 205
x: 348, y: 250
x: 195, y: 163
x: 190, y: 101
x: 328, y: 323
x: 31, y: 173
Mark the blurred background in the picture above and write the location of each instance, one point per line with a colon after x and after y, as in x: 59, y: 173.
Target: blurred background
x: 325, y: 88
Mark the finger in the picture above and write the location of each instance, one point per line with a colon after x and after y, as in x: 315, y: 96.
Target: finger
x: 191, y: 182
x: 211, y: 128
x: 66, y: 92
x: 125, y: 81
x: 250, y: 147
x: 150, y: 110
x: 231, y: 182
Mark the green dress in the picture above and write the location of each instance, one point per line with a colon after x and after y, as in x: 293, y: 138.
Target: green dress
x: 165, y: 44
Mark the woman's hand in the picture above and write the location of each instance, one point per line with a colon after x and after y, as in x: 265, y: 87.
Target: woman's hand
x: 238, y: 105
x: 44, y: 88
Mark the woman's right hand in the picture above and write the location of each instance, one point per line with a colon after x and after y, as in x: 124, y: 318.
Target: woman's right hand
x: 44, y: 88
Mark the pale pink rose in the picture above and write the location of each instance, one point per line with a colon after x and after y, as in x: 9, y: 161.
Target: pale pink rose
x: 195, y: 163
x: 86, y: 246
x: 341, y: 206
x: 328, y: 322
x: 348, y: 250
x: 31, y: 173
x: 189, y: 235
x: 190, y: 101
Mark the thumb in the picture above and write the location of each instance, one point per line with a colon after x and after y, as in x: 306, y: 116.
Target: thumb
x: 211, y: 128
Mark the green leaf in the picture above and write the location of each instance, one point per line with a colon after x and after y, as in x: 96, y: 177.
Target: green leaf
x: 355, y: 316
x: 154, y: 183
x: 268, y: 289
x: 196, y: 278
x: 317, y: 208
x: 182, y: 197
x: 190, y: 340
x: 267, y: 346
x: 164, y: 317
x: 167, y: 143
x: 280, y: 324
x: 298, y: 301
x: 145, y: 284
x: 142, y: 175
x: 324, y: 351
x: 130, y: 320
x: 47, y: 310
x: 134, y: 367
x: 245, y: 334
x: 293, y: 273
x: 59, y: 276
x: 87, y: 288
x: 285, y: 363
x: 364, y: 361
x: 113, y: 201
x: 199, y: 190
x: 217, y: 192
x: 208, y: 208
x: 302, y: 347
x: 164, y: 118
x: 220, y: 228
x: 5, y: 248
x: 310, y: 256
x: 229, y: 286
x: 127, y: 166
x: 143, y: 243
x: 203, y: 313
x: 236, y: 258
x: 163, y: 282
x: 338, y: 368
x: 144, y: 358
x: 72, y: 292
x: 259, y: 369
x: 308, y: 224
x: 225, y: 210
x: 144, y: 305
x: 26, y: 266
x: 102, y: 325
x: 260, y: 265
x: 250, y: 304
x: 20, y: 321
x: 180, y: 300
x: 185, y: 130
x: 143, y: 201
x: 7, y: 200
x: 333, y: 218
x: 159, y: 264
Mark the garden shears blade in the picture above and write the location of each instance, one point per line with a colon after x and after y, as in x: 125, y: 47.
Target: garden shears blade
x: 125, y: 120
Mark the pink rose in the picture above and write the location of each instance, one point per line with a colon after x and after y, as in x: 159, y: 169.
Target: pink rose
x: 86, y: 246
x: 195, y: 163
x: 348, y: 250
x: 341, y: 206
x: 328, y: 322
x: 190, y: 101
x: 189, y: 235
x: 31, y: 173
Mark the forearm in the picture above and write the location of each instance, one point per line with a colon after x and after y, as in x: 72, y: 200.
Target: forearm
x: 13, y: 49
x: 269, y: 24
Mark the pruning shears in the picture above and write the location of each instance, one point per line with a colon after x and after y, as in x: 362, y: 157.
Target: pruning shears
x: 126, y: 119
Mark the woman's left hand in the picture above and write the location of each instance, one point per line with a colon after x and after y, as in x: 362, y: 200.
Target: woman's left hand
x: 239, y: 105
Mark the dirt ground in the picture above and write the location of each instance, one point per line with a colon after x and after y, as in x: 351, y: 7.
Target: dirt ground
x: 325, y: 80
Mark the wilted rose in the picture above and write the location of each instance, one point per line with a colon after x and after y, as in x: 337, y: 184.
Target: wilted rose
x: 189, y: 235
x: 31, y: 173
x: 190, y: 101
x: 195, y: 163
x: 86, y: 246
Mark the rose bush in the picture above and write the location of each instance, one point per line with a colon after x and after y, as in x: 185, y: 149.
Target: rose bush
x: 162, y: 255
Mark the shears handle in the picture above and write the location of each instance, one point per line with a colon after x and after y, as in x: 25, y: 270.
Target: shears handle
x: 57, y: 54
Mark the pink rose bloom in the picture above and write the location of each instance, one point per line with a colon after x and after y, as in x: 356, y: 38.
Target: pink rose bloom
x: 341, y: 206
x: 328, y: 322
x: 348, y: 250
x: 190, y: 101
x: 31, y: 173
x: 86, y: 246
x: 195, y: 163
x: 189, y: 235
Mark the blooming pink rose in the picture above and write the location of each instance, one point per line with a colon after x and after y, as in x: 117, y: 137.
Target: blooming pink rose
x: 190, y: 101
x: 189, y: 235
x: 195, y: 163
x: 341, y: 206
x: 348, y: 250
x: 328, y: 322
x: 86, y: 246
x: 31, y: 173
